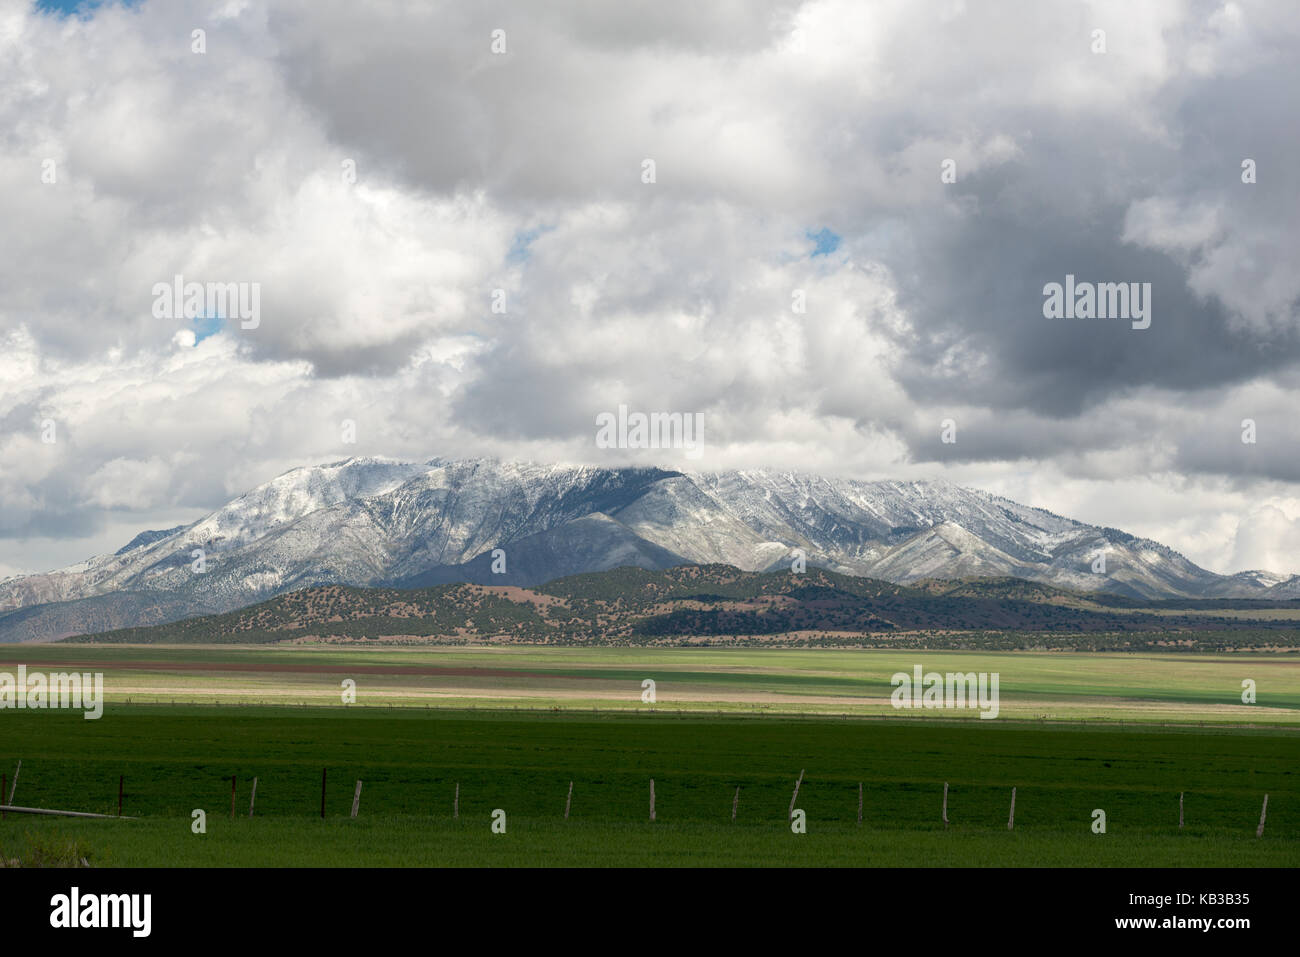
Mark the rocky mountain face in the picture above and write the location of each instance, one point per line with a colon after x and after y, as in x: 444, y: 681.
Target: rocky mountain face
x: 379, y: 522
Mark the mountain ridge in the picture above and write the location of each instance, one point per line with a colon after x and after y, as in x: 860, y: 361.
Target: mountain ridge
x: 376, y: 522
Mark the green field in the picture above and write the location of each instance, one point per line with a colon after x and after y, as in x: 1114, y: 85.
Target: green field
x: 512, y: 726
x: 176, y: 759
x: 1165, y: 687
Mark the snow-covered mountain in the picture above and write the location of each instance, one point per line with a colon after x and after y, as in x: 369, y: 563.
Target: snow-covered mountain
x: 373, y: 521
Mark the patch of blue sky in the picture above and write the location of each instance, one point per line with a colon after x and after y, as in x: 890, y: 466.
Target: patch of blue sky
x: 84, y: 9
x: 206, y: 326
x: 520, y: 248
x: 825, y: 242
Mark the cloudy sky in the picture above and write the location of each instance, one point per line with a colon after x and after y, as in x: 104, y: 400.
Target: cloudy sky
x: 379, y: 170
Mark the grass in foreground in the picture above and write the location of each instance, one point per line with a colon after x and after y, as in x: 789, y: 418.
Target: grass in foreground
x: 398, y: 841
x: 177, y: 759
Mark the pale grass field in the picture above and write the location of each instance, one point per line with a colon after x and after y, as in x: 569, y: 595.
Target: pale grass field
x: 1172, y: 687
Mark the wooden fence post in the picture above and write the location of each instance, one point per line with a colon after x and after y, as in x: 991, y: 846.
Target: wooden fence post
x: 1011, y: 821
x: 356, y: 799
x: 252, y: 797
x: 1262, y: 812
x: 1180, y: 810
x: 735, y: 805
x: 945, y: 804
x: 859, y: 804
x: 232, y: 797
x: 455, y: 804
x: 794, y: 797
x: 568, y: 801
x: 14, y: 787
x: 652, y: 799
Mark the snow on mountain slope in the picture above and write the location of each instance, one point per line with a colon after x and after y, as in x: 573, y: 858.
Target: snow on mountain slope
x: 680, y: 516
x: 370, y: 521
x: 298, y: 493
x: 592, y: 543
x: 944, y: 551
